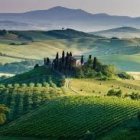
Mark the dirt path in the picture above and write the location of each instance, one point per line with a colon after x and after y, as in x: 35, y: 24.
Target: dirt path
x: 68, y: 85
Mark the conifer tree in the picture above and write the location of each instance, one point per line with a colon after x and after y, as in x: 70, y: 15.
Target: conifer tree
x: 63, y: 57
x: 82, y: 60
x: 70, y: 54
x: 94, y: 63
x: 90, y: 57
x: 57, y: 56
x: 57, y: 61
x: 90, y: 61
x: 48, y: 61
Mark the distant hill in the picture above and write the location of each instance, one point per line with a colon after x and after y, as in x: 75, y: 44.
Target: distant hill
x: 43, y: 35
x: 121, y: 32
x: 59, y: 17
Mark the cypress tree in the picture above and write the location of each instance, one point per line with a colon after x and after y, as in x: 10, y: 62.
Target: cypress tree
x: 94, y: 63
x: 57, y: 56
x: 90, y: 63
x: 90, y: 57
x: 63, y: 57
x: 44, y: 61
x: 82, y: 60
x: 67, y: 61
x: 70, y: 54
x: 48, y: 61
x: 57, y: 60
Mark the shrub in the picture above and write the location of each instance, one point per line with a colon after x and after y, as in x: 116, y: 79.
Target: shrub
x: 31, y: 84
x: 16, y: 85
x: 108, y: 70
x: 135, y: 96
x: 61, y: 83
x: 2, y: 86
x: 9, y: 85
x: 112, y: 92
x: 39, y: 85
x: 24, y: 85
x: 124, y: 75
x: 45, y: 84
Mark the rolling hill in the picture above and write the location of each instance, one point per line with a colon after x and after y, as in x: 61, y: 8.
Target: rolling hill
x: 59, y: 17
x: 39, y: 44
x: 122, y: 32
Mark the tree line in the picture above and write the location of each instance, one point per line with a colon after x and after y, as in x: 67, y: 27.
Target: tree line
x: 67, y: 63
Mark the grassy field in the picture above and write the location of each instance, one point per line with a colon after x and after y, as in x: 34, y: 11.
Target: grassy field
x: 95, y: 87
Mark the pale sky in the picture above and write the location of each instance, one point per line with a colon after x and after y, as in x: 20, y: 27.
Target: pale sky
x: 113, y: 7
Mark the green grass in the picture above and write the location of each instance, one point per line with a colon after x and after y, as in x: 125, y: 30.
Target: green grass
x: 73, y: 117
x: 38, y: 75
x: 96, y: 87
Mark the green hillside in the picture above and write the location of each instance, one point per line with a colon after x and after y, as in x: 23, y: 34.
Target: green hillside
x: 37, y: 75
x: 73, y: 117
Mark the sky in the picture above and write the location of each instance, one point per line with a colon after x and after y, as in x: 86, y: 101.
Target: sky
x: 113, y: 7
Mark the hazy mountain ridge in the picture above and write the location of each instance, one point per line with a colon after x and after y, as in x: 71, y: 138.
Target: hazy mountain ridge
x: 59, y: 17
